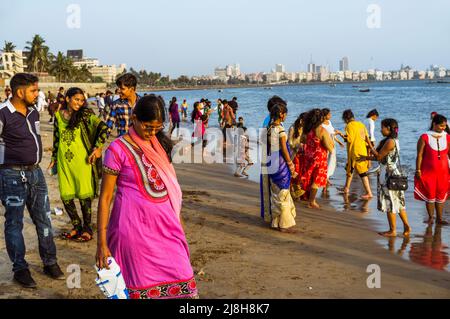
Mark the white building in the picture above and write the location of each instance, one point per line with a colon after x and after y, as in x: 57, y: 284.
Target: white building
x: 403, y: 75
x: 379, y: 75
x: 348, y: 75
x: 363, y: 76
x: 421, y: 75
x: 88, y: 62
x: 440, y: 73
x: 430, y: 75
x: 11, y: 63
x: 280, y: 68
x: 107, y: 72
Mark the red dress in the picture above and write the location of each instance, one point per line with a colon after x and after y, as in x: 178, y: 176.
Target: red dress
x: 434, y: 184
x: 315, y: 163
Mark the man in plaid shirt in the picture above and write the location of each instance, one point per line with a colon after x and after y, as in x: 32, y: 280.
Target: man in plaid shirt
x: 121, y: 110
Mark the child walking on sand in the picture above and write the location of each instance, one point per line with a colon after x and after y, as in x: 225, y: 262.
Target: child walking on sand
x: 243, y: 159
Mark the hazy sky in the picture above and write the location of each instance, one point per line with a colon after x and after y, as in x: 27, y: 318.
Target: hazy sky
x: 194, y: 36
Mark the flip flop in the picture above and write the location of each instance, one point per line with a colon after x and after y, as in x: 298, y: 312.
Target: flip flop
x: 68, y: 235
x: 85, y: 237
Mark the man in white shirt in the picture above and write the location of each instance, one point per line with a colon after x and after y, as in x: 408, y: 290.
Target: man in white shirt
x: 41, y: 102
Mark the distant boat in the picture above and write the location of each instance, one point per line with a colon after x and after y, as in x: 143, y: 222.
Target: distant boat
x: 364, y: 90
x: 355, y: 86
x: 333, y: 85
x: 220, y: 90
x: 440, y: 81
x: 268, y: 88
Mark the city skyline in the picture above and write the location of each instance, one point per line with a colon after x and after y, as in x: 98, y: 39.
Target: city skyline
x: 188, y: 47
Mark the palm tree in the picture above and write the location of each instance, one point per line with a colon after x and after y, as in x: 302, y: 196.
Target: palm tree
x: 39, y: 52
x: 9, y: 47
x: 61, y: 67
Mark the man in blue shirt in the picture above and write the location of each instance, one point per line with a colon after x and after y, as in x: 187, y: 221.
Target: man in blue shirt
x: 23, y: 183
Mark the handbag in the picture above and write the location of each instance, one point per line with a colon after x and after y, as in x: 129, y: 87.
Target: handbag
x: 397, y: 182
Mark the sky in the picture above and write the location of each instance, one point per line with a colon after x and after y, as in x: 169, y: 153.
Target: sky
x: 192, y: 37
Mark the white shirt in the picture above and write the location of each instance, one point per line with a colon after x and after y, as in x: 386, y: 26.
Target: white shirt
x: 41, y: 102
x: 372, y: 130
x: 330, y: 129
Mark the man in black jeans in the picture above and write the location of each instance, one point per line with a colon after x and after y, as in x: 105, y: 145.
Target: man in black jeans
x: 22, y: 181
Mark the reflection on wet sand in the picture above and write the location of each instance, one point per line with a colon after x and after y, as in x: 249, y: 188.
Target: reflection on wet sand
x: 430, y: 251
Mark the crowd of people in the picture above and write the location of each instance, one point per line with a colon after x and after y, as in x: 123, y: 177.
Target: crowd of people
x: 143, y: 230
x: 301, y: 161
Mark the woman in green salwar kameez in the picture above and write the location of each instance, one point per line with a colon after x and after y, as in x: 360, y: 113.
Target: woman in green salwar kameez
x: 78, y: 138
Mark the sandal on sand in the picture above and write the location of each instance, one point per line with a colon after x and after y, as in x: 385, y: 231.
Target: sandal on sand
x: 73, y: 234
x: 85, y: 237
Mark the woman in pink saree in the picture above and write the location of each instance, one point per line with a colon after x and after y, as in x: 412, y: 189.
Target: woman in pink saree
x: 144, y: 233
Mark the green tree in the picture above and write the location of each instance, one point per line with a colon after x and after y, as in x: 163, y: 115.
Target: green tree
x: 9, y: 47
x: 62, y: 67
x: 39, y: 54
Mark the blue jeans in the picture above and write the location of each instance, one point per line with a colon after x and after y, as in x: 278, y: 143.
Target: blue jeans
x: 17, y: 190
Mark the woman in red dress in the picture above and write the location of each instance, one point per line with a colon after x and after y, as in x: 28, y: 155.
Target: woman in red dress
x: 432, y: 179
x: 315, y: 160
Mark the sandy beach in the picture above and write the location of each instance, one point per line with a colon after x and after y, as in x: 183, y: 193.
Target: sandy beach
x: 236, y: 255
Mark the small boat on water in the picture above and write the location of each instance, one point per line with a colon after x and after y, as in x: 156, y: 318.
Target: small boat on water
x: 364, y: 90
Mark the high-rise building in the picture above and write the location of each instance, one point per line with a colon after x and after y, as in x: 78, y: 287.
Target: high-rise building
x: 343, y: 64
x: 280, y: 68
x: 75, y: 55
x: 311, y: 68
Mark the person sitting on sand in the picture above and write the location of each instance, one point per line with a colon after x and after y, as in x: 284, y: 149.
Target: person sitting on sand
x: 78, y: 138
x: 432, y: 179
x: 281, y: 209
x: 357, y: 139
x: 318, y: 145
x: 144, y: 233
x: 390, y: 202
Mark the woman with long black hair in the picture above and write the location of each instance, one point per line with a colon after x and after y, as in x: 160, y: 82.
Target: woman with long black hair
x: 390, y: 202
x: 78, y: 138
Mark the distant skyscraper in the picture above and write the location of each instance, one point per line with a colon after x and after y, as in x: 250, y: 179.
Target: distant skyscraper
x: 75, y: 55
x: 311, y: 68
x: 343, y: 64
x: 280, y: 68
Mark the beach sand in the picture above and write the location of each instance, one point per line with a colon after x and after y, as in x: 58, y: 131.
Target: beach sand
x: 236, y: 255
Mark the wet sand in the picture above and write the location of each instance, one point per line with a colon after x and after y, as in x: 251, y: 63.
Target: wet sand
x: 236, y: 255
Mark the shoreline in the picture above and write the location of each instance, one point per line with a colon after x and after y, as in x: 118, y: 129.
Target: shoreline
x: 236, y: 255
x: 268, y: 85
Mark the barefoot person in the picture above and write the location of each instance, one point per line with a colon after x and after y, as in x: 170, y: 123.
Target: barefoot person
x: 357, y: 141
x: 281, y: 209
x: 22, y: 180
x: 144, y: 233
x: 390, y: 202
x: 332, y: 161
x: 431, y: 183
x: 296, y: 145
x: 318, y: 145
x: 78, y: 138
